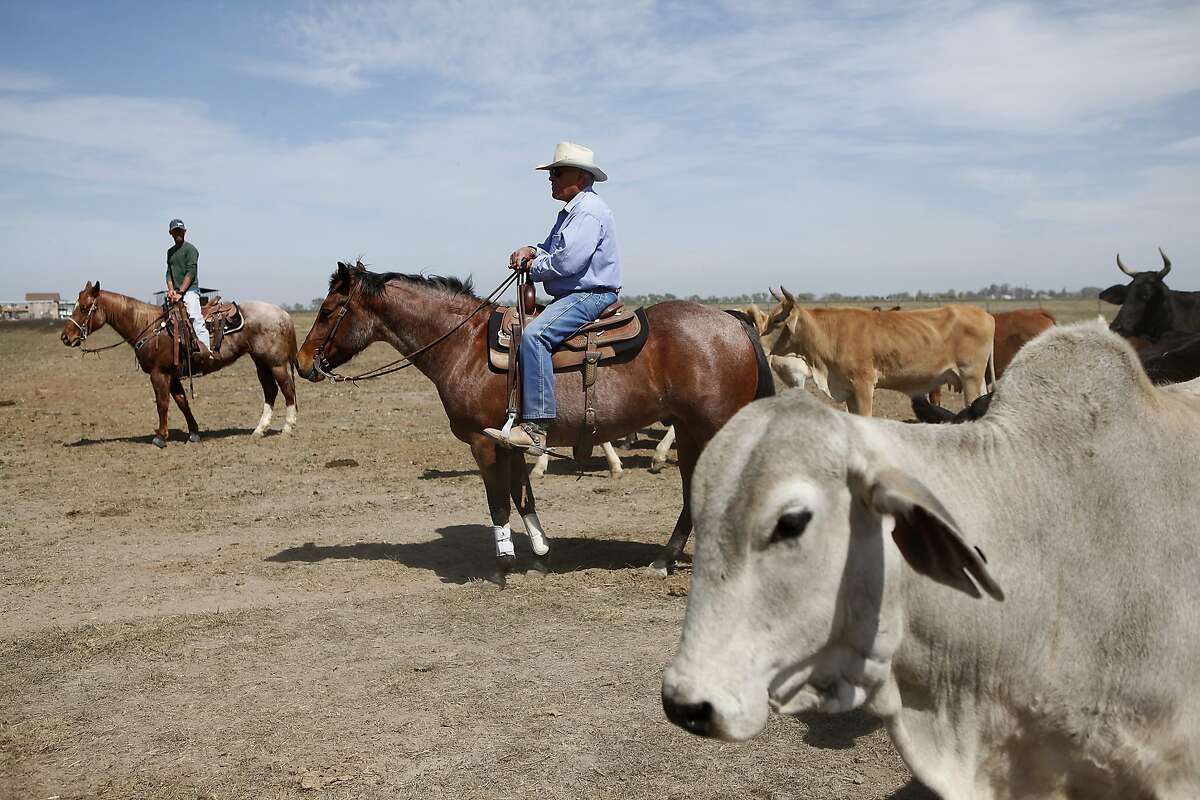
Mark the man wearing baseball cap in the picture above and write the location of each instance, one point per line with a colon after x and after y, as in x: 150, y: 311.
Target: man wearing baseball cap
x: 182, y: 260
x: 578, y: 265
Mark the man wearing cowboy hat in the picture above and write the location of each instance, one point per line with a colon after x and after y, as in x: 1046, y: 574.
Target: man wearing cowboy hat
x: 580, y: 267
x: 182, y: 261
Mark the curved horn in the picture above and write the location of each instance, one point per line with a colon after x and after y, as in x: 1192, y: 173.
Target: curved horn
x: 775, y: 294
x: 1121, y: 266
x: 1166, y: 264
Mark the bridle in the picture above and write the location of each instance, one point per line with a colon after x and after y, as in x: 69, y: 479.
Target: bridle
x: 320, y: 366
x: 85, y: 330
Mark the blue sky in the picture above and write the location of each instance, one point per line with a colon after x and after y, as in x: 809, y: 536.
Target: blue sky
x: 853, y: 147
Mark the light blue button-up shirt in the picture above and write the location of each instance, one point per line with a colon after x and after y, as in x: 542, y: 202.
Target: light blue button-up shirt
x: 581, y: 251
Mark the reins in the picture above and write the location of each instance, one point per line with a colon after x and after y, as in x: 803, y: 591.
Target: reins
x: 85, y: 331
x: 404, y: 360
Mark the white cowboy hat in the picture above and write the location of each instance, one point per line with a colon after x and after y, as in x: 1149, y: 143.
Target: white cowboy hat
x: 569, y: 154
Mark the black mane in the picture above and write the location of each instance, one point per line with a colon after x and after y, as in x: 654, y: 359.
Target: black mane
x: 372, y: 283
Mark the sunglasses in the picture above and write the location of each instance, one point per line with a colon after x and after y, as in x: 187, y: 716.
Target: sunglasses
x: 555, y: 172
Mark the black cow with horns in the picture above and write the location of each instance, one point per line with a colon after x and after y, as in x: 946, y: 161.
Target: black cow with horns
x: 1149, y: 308
x: 1162, y: 324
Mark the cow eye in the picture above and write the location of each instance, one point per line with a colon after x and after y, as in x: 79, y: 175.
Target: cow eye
x: 790, y: 525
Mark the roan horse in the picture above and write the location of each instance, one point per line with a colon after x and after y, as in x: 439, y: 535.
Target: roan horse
x: 697, y: 367
x: 268, y: 336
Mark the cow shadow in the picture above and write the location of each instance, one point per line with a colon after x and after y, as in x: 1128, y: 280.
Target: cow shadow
x: 837, y: 731
x: 173, y: 435
x: 913, y: 790
x: 842, y: 732
x: 464, y: 553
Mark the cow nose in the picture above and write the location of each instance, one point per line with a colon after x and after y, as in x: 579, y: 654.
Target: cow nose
x: 695, y: 718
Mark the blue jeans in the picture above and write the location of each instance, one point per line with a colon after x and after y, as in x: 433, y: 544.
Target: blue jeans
x: 560, y: 319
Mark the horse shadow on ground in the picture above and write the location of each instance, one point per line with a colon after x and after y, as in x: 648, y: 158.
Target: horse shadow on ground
x: 172, y: 436
x: 466, y: 552
x: 842, y: 732
x: 595, y: 467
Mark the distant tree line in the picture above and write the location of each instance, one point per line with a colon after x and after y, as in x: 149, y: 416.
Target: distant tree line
x: 995, y: 291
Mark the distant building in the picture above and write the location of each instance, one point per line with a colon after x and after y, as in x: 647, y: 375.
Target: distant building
x: 36, y: 305
x: 42, y: 305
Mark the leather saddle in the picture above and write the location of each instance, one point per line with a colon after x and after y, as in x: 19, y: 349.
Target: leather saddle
x: 616, y: 332
x: 221, y: 318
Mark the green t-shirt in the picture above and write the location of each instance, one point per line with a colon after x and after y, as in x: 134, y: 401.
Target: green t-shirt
x: 181, y: 262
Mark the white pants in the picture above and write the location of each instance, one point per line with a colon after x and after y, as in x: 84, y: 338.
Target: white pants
x: 191, y: 301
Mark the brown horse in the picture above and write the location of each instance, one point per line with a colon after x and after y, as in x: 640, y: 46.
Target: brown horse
x: 698, y: 367
x: 268, y: 336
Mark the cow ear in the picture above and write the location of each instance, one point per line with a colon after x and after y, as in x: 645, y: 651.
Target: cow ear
x: 1115, y: 294
x: 926, y: 533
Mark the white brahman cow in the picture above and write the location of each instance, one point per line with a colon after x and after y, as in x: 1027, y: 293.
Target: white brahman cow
x: 840, y: 564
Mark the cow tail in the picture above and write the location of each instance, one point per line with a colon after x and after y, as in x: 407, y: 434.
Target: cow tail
x: 766, y: 381
x: 991, y: 367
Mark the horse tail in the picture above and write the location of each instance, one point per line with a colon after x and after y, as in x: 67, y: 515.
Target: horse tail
x: 293, y: 358
x: 766, y: 381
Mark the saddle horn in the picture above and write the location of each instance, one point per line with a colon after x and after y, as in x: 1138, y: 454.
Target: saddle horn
x: 1166, y: 264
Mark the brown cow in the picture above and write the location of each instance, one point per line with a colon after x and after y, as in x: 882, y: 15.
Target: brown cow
x: 851, y: 351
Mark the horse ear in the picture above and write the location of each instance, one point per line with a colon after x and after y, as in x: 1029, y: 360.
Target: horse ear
x: 341, y: 278
x: 96, y: 289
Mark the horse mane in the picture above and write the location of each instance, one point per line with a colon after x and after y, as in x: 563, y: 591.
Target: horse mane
x: 373, y: 283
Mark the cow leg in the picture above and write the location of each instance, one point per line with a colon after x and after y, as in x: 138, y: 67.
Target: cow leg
x: 181, y: 400
x: 521, y: 492
x: 494, y: 467
x: 162, y: 398
x: 862, y: 398
x: 689, y: 453
x: 660, y: 452
x: 614, y: 463
x: 973, y: 387
x: 287, y: 384
x: 270, y: 390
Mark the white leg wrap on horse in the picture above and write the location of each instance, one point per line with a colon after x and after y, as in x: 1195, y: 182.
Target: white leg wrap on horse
x: 537, y: 536
x: 504, y: 545
x: 290, y: 421
x: 263, y: 421
x: 539, y: 468
x: 614, y: 462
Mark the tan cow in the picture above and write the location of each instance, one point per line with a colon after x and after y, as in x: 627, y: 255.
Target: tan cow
x: 1014, y: 329
x: 851, y: 351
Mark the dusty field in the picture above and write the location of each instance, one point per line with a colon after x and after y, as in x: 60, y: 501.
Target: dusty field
x: 241, y: 619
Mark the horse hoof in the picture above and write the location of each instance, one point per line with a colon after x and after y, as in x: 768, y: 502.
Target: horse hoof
x: 160, y: 442
x: 498, y: 578
x: 658, y: 569
x: 657, y: 467
x: 538, y: 567
x: 193, y: 438
x: 536, y: 473
x: 616, y: 476
x: 257, y: 433
x: 286, y: 429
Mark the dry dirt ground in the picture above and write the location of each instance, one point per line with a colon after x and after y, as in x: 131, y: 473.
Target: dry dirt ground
x: 305, y: 615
